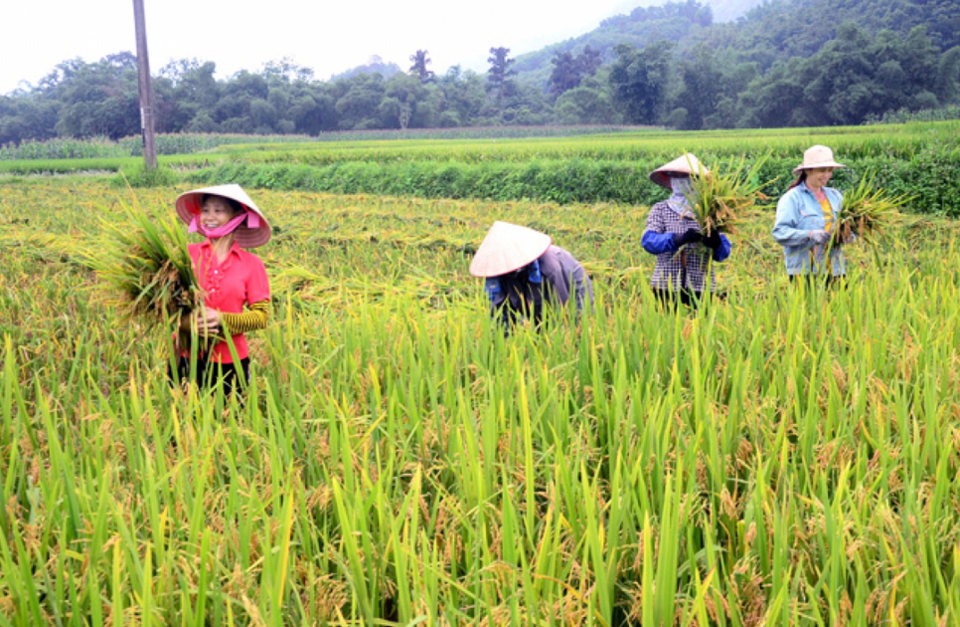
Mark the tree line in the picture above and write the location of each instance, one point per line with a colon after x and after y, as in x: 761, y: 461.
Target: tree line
x: 79, y: 99
x: 854, y: 78
x: 727, y: 77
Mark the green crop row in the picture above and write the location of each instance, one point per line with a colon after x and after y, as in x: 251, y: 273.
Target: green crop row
x: 189, y: 143
x: 102, y: 165
x: 925, y: 176
x: 915, y: 159
x: 784, y: 457
x: 101, y: 148
x: 512, y: 144
x: 850, y: 143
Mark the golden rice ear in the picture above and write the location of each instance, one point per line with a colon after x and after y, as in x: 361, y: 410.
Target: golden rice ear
x: 149, y: 265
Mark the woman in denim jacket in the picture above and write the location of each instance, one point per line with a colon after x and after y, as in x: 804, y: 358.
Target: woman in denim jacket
x: 805, y: 216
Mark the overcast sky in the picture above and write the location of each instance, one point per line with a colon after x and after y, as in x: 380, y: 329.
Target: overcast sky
x: 328, y: 37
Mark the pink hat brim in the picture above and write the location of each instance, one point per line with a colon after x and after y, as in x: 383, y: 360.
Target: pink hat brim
x: 188, y: 205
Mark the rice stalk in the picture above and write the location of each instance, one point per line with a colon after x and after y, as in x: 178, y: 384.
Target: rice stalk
x: 780, y: 458
x: 145, y: 262
x: 866, y: 212
x: 720, y: 200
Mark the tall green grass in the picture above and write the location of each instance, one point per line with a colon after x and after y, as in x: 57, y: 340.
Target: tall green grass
x: 787, y: 456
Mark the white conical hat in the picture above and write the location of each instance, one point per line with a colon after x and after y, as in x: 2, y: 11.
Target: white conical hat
x: 188, y: 205
x: 684, y: 164
x: 508, y: 247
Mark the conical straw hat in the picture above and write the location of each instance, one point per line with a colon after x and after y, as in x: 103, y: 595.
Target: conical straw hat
x: 508, y: 247
x: 684, y: 164
x: 188, y: 205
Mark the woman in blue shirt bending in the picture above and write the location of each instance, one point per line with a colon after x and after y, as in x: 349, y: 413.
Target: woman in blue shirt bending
x: 523, y: 270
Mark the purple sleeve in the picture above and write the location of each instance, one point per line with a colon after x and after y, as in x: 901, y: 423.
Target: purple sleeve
x: 552, y: 268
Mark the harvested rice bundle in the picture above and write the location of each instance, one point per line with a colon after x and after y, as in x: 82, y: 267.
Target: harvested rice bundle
x: 148, y: 264
x: 721, y: 200
x: 866, y: 211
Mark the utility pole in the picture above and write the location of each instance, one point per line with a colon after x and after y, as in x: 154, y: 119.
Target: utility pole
x: 146, y: 94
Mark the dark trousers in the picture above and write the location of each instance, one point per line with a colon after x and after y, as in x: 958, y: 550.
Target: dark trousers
x: 686, y: 297
x: 209, y: 373
x: 830, y: 280
x: 671, y: 298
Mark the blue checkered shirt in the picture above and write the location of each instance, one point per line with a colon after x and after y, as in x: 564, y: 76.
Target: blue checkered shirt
x: 684, y: 269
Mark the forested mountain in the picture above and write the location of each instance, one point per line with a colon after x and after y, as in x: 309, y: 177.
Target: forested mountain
x: 785, y: 63
x: 770, y: 30
x: 644, y: 25
x: 802, y: 62
x: 730, y: 10
x: 781, y: 29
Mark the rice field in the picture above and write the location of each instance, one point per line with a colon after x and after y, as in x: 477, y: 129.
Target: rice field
x: 784, y: 456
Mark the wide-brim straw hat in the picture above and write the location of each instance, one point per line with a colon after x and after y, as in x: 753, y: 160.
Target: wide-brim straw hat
x: 188, y: 205
x: 687, y: 164
x: 508, y: 247
x: 817, y: 157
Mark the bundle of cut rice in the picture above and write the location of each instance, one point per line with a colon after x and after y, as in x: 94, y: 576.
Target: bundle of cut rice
x: 866, y: 211
x: 720, y: 200
x: 146, y: 262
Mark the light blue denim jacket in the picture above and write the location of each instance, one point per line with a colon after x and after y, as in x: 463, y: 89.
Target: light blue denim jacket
x: 798, y: 213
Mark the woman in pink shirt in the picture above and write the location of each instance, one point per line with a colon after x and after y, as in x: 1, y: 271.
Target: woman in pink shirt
x: 234, y: 281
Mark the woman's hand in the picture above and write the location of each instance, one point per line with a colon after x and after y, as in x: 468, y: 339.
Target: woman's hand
x: 713, y: 240
x: 205, y: 321
x: 690, y: 236
x: 208, y: 321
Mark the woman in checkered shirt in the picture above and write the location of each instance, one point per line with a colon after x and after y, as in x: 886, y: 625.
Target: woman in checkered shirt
x: 684, y: 255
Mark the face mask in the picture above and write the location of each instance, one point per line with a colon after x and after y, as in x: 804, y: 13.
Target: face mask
x: 683, y: 193
x: 252, y: 219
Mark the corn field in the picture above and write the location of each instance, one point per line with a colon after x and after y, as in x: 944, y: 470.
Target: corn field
x: 786, y: 455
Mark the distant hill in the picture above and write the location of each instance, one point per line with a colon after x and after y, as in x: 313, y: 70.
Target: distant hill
x: 646, y: 22
x: 723, y: 10
x: 731, y: 10
x: 780, y: 29
x: 376, y: 64
x: 763, y: 31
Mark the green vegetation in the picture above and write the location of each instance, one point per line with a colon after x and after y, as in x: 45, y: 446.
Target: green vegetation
x: 100, y: 164
x: 786, y: 63
x: 917, y: 159
x: 190, y: 143
x: 914, y: 159
x: 147, y: 265
x: 783, y: 457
